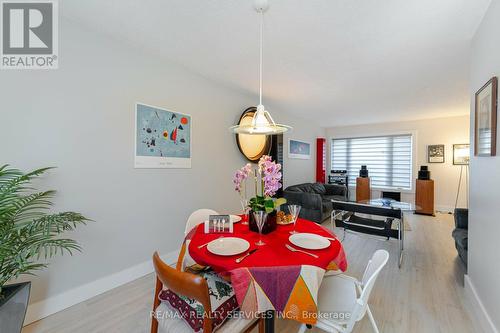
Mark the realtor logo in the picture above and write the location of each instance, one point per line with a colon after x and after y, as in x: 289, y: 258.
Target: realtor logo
x: 29, y: 34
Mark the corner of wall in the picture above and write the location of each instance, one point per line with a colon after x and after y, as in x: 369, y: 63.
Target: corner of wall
x: 481, y: 318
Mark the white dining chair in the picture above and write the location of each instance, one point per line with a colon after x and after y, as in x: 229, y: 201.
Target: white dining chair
x: 197, y: 217
x: 343, y: 300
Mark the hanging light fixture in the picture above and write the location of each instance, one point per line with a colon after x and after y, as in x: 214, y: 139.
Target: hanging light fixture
x: 262, y: 122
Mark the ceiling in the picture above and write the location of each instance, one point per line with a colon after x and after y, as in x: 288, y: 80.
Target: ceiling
x: 338, y: 61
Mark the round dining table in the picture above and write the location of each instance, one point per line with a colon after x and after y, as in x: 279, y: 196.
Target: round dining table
x: 273, y: 279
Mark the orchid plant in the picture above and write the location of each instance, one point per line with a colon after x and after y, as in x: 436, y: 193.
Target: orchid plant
x: 269, y: 173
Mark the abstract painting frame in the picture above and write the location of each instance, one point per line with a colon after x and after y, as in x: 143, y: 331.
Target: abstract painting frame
x: 435, y: 154
x: 485, y: 123
x: 163, y: 138
x: 299, y: 149
x: 461, y: 154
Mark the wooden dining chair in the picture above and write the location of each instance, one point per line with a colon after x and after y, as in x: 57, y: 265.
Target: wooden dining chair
x: 346, y: 298
x: 197, y: 217
x: 194, y: 287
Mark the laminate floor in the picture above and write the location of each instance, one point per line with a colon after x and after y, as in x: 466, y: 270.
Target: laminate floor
x: 425, y: 295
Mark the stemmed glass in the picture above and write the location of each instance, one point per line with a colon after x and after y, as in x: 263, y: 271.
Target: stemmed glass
x: 260, y: 219
x: 246, y: 209
x: 294, y: 211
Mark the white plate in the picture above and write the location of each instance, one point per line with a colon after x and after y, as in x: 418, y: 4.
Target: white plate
x: 228, y: 246
x: 235, y: 218
x: 309, y: 241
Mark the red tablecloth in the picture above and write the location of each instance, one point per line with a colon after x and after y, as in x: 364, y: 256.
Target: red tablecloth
x: 274, y: 253
x: 273, y: 278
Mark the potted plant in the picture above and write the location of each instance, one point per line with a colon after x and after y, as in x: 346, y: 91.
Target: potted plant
x: 268, y: 174
x: 28, y: 237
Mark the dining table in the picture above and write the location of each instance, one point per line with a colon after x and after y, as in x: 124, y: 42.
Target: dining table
x: 275, y: 280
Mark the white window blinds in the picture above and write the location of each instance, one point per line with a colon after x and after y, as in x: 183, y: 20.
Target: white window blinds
x: 388, y: 159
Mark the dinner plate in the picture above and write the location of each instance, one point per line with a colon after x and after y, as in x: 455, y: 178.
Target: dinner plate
x: 228, y: 246
x: 309, y: 241
x: 235, y: 218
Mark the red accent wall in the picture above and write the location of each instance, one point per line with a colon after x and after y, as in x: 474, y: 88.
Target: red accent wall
x: 321, y: 160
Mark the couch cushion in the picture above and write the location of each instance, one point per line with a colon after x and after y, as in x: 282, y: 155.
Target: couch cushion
x: 318, y: 188
x: 295, y: 188
x: 306, y: 188
x: 334, y: 197
x: 222, y: 299
x: 326, y: 206
x: 461, y: 237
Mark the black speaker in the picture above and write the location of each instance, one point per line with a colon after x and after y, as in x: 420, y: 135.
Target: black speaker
x: 363, y: 173
x: 424, y: 173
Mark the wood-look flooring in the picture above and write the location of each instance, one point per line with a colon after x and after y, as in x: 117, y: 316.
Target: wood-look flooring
x: 425, y: 295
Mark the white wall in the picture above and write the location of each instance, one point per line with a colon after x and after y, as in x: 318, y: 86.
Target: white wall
x: 447, y: 131
x: 80, y: 118
x: 484, y: 224
x: 298, y: 171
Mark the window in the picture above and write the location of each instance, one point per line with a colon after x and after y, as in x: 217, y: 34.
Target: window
x: 388, y: 158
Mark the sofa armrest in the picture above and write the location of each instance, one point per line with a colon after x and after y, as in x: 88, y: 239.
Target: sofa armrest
x: 304, y: 199
x: 335, y: 189
x: 462, y: 218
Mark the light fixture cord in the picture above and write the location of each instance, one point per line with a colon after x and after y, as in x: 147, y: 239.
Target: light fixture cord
x: 261, y: 53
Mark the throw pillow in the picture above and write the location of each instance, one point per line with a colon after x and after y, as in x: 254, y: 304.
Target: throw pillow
x: 222, y: 299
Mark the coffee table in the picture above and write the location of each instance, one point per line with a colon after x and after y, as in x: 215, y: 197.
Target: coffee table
x: 344, y: 215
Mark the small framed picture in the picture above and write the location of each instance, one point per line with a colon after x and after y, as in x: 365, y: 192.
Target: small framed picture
x: 435, y: 153
x: 299, y: 149
x: 218, y: 224
x: 461, y: 154
x: 485, y: 131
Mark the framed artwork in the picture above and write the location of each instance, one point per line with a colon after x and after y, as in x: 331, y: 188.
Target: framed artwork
x: 299, y: 149
x: 435, y: 153
x: 162, y: 138
x: 485, y: 131
x: 461, y: 154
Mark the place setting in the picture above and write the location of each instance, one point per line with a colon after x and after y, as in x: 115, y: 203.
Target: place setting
x: 228, y: 244
x: 308, y: 241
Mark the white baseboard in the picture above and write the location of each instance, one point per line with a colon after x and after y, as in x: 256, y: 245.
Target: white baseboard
x: 477, y: 309
x: 49, y: 306
x: 444, y: 208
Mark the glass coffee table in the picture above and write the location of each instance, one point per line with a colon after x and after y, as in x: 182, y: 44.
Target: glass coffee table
x: 373, y: 216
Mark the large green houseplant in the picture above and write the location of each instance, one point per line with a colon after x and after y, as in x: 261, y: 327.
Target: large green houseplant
x: 29, y: 235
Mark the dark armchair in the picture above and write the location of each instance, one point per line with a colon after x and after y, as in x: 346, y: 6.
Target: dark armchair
x: 461, y: 232
x: 315, y: 199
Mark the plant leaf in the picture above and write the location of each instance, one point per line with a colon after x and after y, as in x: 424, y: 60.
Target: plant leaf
x: 27, y: 232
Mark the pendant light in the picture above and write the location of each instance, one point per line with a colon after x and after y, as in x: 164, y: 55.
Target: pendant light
x: 262, y: 122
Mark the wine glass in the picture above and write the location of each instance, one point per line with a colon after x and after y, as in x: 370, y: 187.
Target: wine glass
x: 246, y: 209
x: 260, y: 219
x: 294, y: 211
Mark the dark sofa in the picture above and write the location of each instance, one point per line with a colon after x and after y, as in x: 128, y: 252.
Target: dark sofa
x: 314, y: 198
x: 460, y: 233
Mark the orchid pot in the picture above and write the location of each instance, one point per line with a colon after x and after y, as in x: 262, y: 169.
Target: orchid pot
x: 267, y: 178
x: 268, y: 227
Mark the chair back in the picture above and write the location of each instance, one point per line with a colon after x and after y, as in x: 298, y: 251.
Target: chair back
x: 375, y: 265
x: 181, y: 283
x: 197, y: 217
